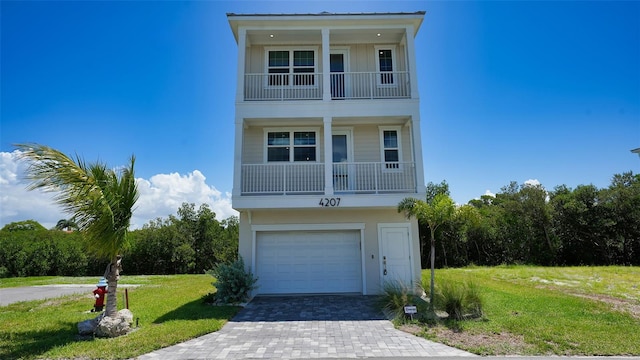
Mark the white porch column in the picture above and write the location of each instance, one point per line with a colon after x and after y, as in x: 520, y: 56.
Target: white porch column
x: 417, y: 152
x: 237, y: 158
x: 242, y: 49
x: 326, y: 66
x: 328, y: 156
x: 411, y: 55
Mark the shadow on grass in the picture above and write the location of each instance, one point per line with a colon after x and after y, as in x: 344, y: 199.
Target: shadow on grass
x: 198, y: 310
x: 17, y: 344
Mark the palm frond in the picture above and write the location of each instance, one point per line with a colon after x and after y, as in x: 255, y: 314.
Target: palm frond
x: 100, y: 199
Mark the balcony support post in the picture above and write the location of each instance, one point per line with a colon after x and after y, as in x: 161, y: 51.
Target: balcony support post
x: 237, y: 157
x: 328, y: 156
x: 326, y: 67
x: 242, y: 50
x: 411, y: 55
x: 416, y: 140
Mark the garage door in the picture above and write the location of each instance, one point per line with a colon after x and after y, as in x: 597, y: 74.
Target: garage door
x: 293, y: 262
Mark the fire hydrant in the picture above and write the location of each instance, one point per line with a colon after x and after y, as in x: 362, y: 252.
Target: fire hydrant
x: 99, y: 294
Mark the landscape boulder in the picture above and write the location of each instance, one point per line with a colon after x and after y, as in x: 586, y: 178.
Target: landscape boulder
x: 105, y: 326
x: 88, y: 327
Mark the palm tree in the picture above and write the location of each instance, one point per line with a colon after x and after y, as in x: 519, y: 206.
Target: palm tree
x: 432, y: 213
x: 100, y: 200
x: 64, y: 224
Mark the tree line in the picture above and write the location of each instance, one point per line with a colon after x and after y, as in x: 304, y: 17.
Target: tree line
x: 526, y: 224
x: 192, y: 241
x: 521, y: 224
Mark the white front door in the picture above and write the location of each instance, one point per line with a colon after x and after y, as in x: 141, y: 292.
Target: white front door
x: 395, y: 254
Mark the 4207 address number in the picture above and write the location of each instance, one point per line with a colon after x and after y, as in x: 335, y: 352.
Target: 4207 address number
x: 330, y: 202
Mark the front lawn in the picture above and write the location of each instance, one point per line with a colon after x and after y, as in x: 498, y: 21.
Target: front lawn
x: 169, y: 310
x: 547, y: 311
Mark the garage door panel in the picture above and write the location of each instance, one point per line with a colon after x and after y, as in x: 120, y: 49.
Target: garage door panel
x: 308, y: 262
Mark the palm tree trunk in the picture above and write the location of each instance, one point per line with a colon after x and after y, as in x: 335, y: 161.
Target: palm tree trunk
x: 433, y: 269
x: 112, y: 274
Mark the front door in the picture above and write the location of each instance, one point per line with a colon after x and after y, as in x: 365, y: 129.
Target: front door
x: 337, y: 62
x: 395, y: 248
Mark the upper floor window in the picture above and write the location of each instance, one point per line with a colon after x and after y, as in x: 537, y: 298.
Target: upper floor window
x: 291, y: 146
x: 291, y: 67
x: 390, y: 146
x: 385, y: 64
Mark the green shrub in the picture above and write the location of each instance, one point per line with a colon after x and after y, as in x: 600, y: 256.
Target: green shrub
x: 232, y: 282
x: 460, y: 300
x: 396, y: 295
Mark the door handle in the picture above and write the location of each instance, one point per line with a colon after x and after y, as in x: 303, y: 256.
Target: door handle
x: 384, y: 265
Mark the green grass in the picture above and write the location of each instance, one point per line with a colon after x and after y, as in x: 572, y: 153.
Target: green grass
x: 540, y: 311
x: 169, y: 310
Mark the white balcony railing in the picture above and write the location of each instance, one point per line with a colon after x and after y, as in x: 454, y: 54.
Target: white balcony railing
x: 344, y: 85
x: 374, y: 177
x: 370, y: 85
x: 297, y: 86
x: 308, y: 178
x: 283, y: 178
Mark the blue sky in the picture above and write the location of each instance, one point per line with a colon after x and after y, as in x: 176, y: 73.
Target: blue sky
x: 510, y: 91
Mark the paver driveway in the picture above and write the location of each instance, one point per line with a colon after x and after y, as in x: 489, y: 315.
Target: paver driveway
x: 301, y: 327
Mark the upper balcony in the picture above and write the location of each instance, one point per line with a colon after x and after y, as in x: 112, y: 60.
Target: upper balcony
x: 326, y: 56
x: 343, y: 86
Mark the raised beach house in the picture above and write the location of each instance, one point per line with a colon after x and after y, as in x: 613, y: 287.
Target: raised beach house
x: 327, y: 143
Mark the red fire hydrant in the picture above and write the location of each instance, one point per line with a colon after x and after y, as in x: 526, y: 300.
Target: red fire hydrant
x: 99, y: 294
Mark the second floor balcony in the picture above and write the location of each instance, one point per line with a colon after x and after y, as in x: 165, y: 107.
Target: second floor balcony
x: 347, y: 177
x: 343, y: 86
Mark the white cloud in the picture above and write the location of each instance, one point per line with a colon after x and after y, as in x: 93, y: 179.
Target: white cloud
x: 532, y: 182
x: 19, y: 204
x: 489, y: 193
x: 160, y: 196
x: 163, y: 194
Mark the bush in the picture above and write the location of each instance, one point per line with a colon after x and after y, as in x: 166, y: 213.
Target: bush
x: 396, y: 295
x: 233, y: 284
x: 460, y: 300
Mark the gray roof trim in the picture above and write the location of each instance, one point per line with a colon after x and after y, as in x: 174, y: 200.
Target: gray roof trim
x: 324, y: 13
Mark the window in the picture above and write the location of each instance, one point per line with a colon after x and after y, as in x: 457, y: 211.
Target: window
x: 291, y: 67
x: 385, y: 65
x: 279, y: 64
x: 280, y: 146
x: 390, y: 145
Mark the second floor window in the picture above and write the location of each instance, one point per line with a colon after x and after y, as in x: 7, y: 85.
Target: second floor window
x: 390, y: 142
x: 291, y: 67
x: 291, y: 146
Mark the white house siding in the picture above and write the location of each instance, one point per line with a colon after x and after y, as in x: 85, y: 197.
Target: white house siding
x: 253, y: 146
x: 362, y: 57
x: 368, y: 219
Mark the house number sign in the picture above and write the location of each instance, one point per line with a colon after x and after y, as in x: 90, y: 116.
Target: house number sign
x: 330, y: 202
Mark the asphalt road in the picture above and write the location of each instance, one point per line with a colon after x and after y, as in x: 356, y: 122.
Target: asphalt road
x: 26, y: 293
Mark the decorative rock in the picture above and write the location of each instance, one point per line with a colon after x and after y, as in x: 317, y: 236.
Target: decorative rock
x: 117, y: 326
x: 88, y: 327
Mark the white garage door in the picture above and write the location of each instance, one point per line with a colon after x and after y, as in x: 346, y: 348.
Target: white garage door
x: 292, y: 262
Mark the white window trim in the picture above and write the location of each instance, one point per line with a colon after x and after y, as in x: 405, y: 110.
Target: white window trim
x: 291, y: 131
x: 394, y: 64
x: 398, y: 130
x: 291, y: 49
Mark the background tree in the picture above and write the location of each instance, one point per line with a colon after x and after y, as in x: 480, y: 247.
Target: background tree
x: 100, y: 200
x: 66, y: 224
